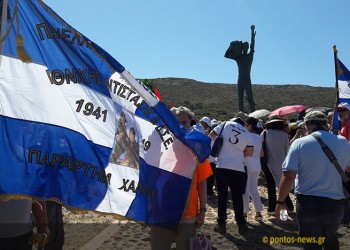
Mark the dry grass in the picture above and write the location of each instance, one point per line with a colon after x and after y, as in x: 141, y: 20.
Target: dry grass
x: 218, y: 100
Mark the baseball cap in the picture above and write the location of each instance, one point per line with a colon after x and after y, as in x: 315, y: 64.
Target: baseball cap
x: 206, y: 120
x: 315, y: 116
x: 343, y: 105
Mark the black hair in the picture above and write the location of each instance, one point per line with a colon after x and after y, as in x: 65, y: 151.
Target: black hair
x: 259, y: 130
x: 254, y: 122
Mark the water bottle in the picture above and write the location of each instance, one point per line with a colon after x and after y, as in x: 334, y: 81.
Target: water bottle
x: 283, y: 214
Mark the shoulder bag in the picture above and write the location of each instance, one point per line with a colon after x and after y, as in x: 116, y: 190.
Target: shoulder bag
x: 215, y: 150
x: 264, y: 158
x: 333, y: 159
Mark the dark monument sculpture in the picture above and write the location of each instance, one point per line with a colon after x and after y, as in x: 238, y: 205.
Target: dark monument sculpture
x: 238, y: 51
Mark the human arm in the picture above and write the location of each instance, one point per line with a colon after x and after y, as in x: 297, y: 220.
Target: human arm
x: 202, y: 195
x: 262, y: 153
x: 248, y: 151
x: 252, y: 43
x: 40, y: 214
x: 285, y: 186
x: 203, y: 172
x: 300, y: 133
x: 199, y: 127
x: 296, y: 136
x: 213, y: 135
x: 217, y: 131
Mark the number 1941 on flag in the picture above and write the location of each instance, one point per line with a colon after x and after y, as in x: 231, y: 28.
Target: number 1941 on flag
x: 89, y: 109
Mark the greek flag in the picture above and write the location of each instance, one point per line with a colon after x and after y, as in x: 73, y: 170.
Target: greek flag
x: 78, y: 128
x: 343, y: 75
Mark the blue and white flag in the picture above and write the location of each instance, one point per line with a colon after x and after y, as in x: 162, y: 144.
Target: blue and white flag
x: 76, y: 127
x: 343, y: 77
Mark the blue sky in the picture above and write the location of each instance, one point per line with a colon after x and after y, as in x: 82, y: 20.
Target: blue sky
x: 188, y: 38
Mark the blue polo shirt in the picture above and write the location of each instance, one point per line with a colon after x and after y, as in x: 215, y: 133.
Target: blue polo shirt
x: 316, y: 175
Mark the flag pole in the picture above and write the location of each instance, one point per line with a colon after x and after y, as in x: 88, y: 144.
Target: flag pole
x: 336, y: 70
x: 3, y: 25
x: 336, y: 78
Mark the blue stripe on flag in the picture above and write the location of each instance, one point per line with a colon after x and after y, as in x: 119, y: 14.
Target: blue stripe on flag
x: 343, y: 75
x: 197, y: 141
x: 165, y: 208
x: 76, y: 56
x: 77, y: 163
x: 70, y: 179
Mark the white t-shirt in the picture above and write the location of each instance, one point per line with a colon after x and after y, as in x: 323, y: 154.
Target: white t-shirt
x: 253, y: 162
x: 236, y: 139
x: 15, y: 218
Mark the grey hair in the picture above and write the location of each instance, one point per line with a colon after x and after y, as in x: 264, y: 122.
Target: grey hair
x: 182, y: 109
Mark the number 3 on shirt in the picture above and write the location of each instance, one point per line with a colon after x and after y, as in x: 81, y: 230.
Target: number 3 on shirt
x: 234, y: 139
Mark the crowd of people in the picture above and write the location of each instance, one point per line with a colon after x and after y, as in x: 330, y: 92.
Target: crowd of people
x: 289, y: 158
x: 289, y: 155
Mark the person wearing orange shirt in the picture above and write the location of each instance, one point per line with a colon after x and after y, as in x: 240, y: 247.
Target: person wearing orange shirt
x: 161, y: 239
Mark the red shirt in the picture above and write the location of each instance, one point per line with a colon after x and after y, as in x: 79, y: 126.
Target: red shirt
x: 345, y: 129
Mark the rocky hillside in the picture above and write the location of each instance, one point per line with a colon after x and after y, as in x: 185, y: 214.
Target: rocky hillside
x: 220, y: 100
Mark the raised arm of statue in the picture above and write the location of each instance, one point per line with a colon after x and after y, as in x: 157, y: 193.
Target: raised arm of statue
x: 252, y: 43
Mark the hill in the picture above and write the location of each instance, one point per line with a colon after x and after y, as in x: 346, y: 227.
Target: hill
x: 220, y: 101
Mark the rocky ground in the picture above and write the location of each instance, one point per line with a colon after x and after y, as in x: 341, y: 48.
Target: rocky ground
x: 81, y: 228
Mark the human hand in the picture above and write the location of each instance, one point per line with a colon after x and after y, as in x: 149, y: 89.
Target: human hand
x: 278, y: 209
x: 303, y: 132
x: 45, y: 234
x: 200, y: 219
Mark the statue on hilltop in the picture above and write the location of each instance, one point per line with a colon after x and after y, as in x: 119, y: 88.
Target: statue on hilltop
x: 238, y: 51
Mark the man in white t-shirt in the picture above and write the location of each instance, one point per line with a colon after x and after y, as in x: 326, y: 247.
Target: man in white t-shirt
x: 230, y: 172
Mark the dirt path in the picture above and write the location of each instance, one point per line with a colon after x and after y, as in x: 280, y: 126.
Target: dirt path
x: 81, y: 230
